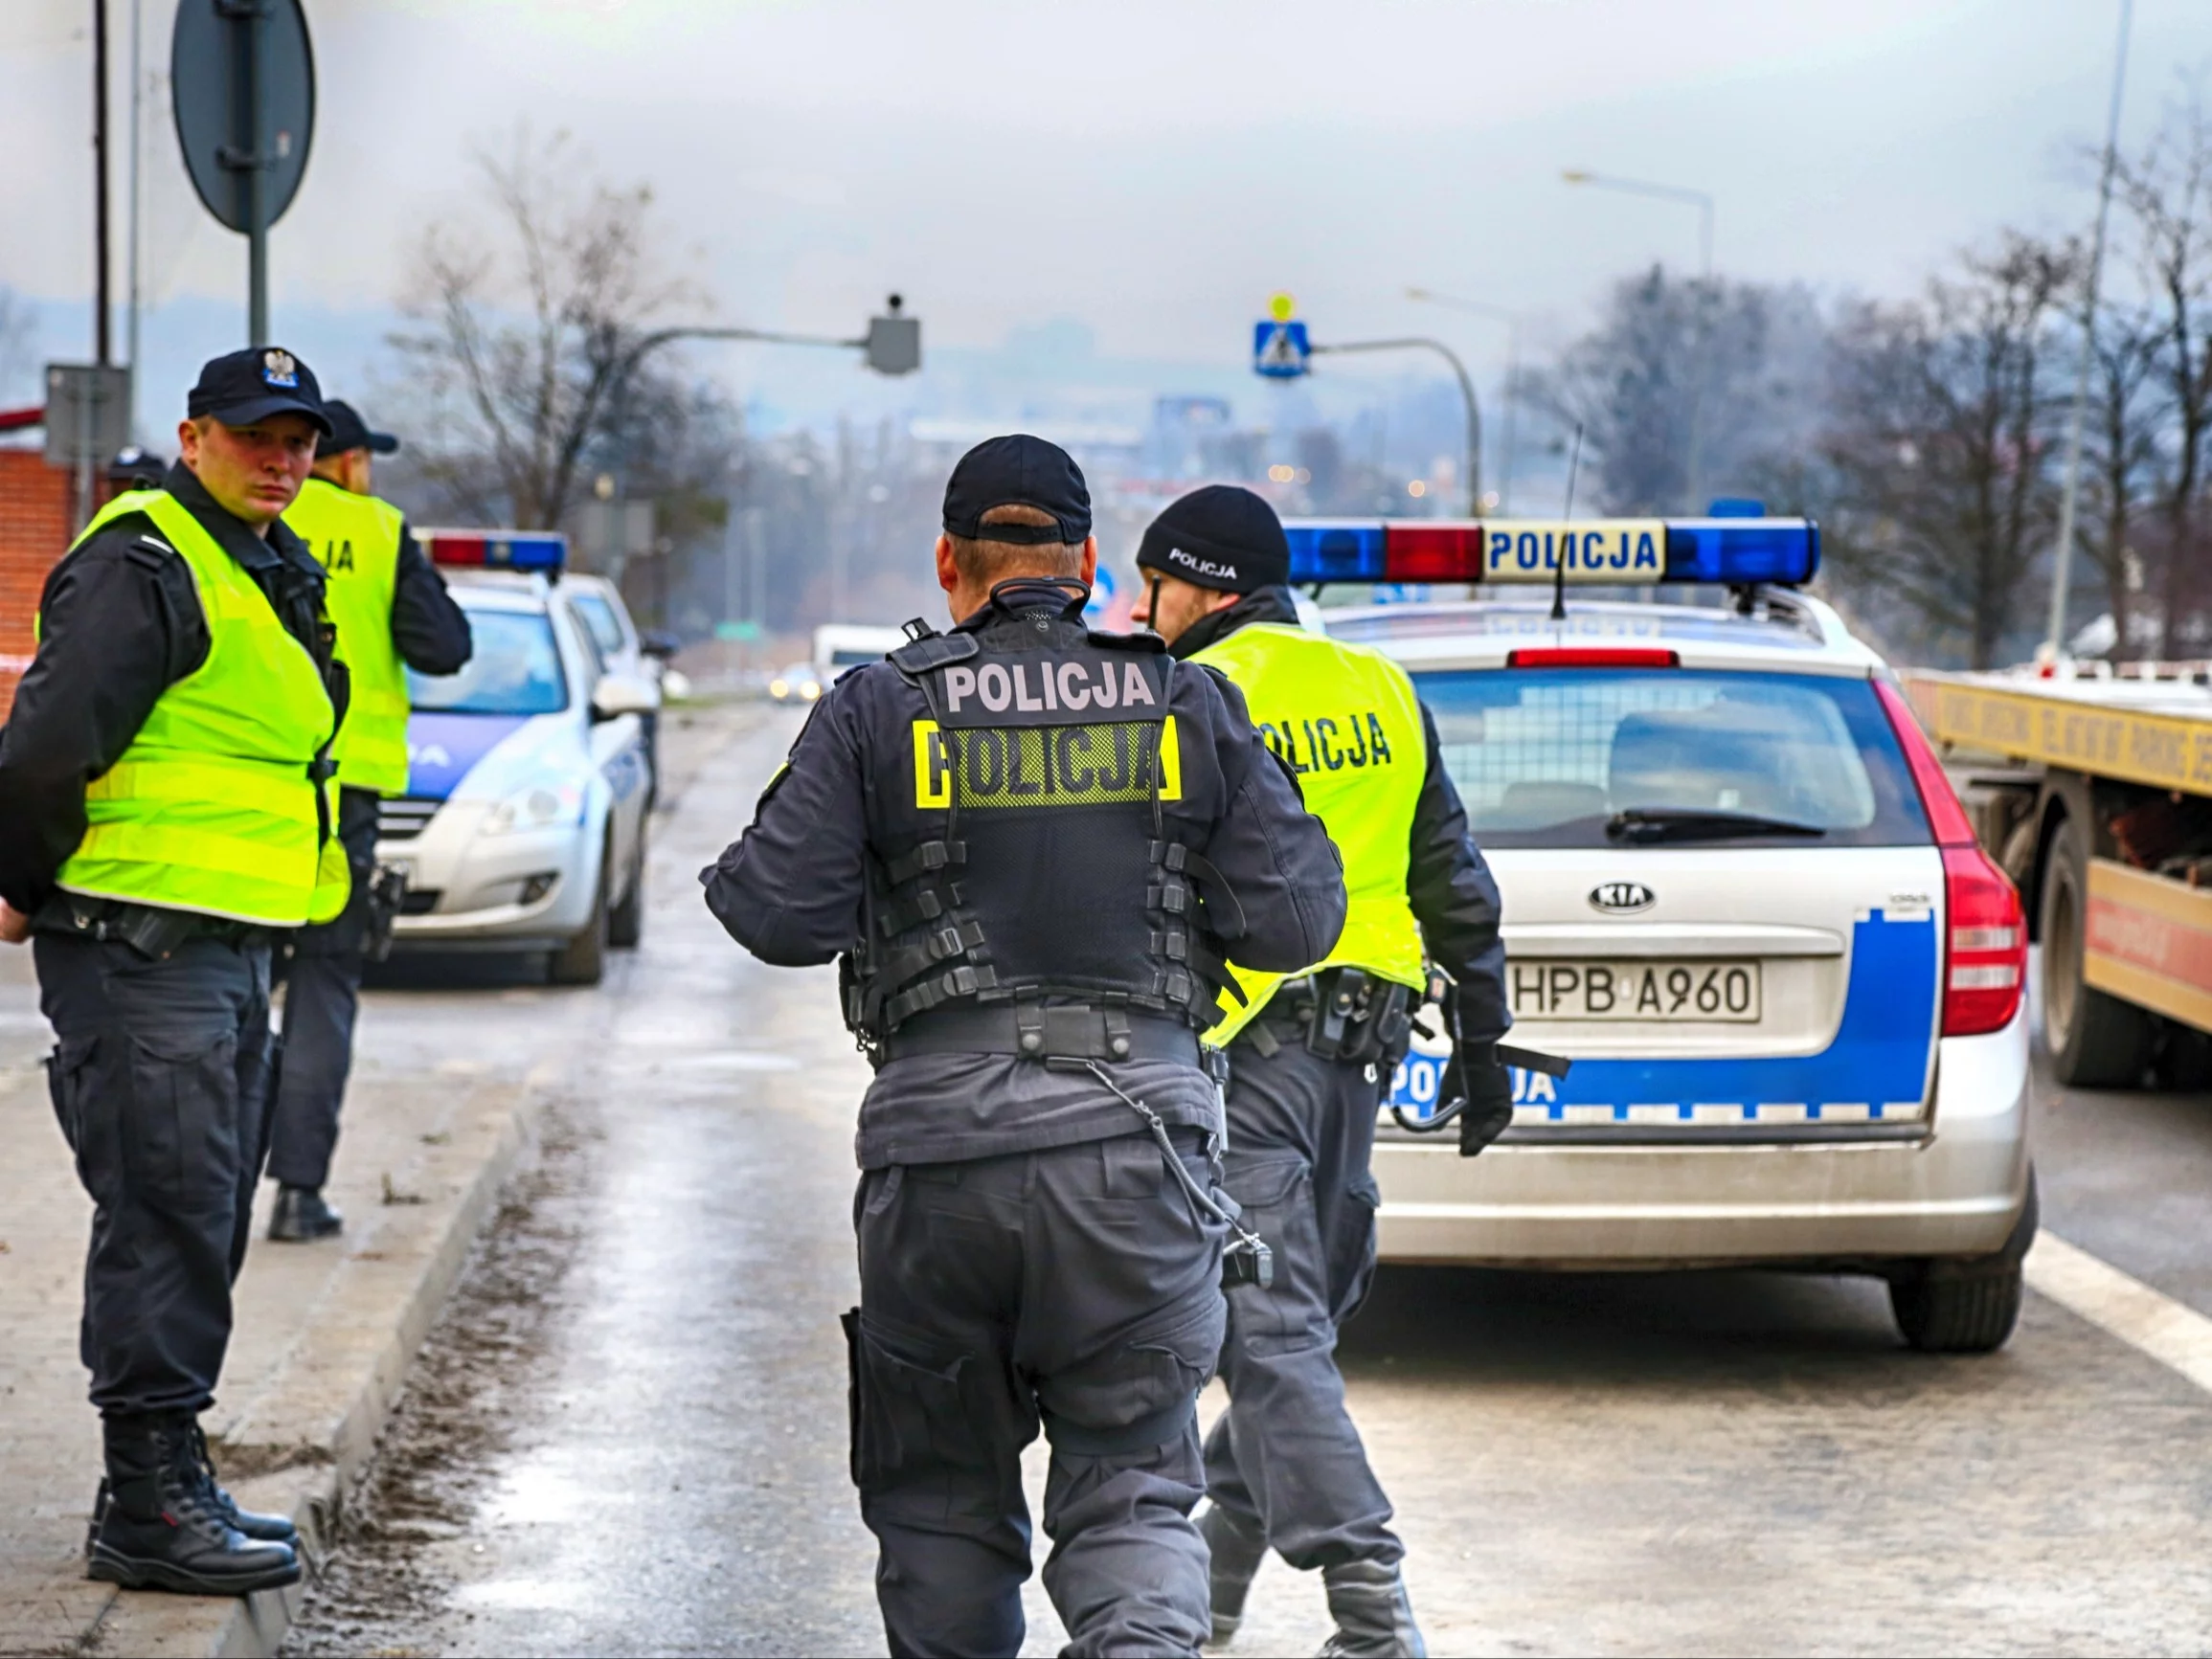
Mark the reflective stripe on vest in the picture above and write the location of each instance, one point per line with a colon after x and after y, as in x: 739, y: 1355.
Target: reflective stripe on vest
x: 213, y: 808
x: 356, y: 539
x: 1345, y: 720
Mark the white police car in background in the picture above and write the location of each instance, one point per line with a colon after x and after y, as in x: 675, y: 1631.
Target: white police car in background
x: 522, y: 828
x: 1740, y: 895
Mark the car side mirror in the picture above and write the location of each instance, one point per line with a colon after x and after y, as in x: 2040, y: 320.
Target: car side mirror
x: 660, y: 644
x: 619, y: 694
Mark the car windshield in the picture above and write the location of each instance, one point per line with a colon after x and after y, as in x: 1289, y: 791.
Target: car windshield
x: 514, y: 669
x: 1606, y: 757
x: 600, y: 617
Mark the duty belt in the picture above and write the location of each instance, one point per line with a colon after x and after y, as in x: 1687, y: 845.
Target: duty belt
x: 1340, y: 1012
x: 1034, y: 1032
x: 152, y: 930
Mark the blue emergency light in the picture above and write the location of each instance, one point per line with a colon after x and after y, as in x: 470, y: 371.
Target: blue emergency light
x: 1733, y: 552
x: 543, y: 551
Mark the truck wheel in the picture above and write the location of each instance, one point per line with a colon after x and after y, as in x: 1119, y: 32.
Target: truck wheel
x: 626, y: 921
x: 583, y: 960
x: 2095, y: 1040
x: 1965, y: 1305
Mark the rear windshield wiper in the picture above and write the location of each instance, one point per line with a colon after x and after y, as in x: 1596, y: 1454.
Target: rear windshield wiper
x: 1637, y: 823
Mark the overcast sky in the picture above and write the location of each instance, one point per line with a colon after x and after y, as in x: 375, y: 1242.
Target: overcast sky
x: 1154, y: 169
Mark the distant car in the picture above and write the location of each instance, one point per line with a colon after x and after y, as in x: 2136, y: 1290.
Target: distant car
x: 624, y: 650
x: 522, y: 828
x: 1742, y: 897
x: 839, y: 648
x: 797, y: 683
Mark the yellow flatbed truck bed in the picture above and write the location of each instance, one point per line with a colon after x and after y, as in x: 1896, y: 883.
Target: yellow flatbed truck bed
x: 2096, y: 796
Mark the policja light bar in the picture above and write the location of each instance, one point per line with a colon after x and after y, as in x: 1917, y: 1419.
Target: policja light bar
x: 1729, y: 551
x: 542, y: 551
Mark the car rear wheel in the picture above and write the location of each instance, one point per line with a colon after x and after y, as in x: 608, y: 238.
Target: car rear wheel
x: 626, y: 921
x: 583, y: 960
x: 1965, y: 1305
x: 2095, y: 1040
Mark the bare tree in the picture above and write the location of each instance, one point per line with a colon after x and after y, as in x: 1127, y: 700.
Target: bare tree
x: 2167, y: 193
x: 1740, y: 359
x: 525, y: 320
x: 2120, y: 458
x: 1939, y: 445
x: 18, y: 342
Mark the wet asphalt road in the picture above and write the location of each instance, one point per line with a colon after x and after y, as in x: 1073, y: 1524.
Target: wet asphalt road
x: 628, y: 1434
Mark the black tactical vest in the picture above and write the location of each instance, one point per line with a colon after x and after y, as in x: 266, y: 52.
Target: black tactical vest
x: 1032, y: 858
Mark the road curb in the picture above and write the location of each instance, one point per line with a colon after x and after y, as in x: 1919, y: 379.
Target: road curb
x: 299, y: 1443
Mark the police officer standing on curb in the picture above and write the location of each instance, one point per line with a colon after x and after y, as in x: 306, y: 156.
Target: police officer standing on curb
x: 1311, y: 1057
x: 164, y: 775
x: 1031, y: 846
x: 392, y: 613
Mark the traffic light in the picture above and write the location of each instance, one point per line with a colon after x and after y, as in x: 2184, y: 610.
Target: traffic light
x: 894, y: 341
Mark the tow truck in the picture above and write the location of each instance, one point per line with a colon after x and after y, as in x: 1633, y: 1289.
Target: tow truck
x: 2092, y: 785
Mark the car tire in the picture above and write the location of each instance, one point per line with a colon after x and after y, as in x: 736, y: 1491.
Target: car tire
x: 583, y: 960
x: 2095, y: 1040
x: 626, y: 921
x: 1965, y: 1305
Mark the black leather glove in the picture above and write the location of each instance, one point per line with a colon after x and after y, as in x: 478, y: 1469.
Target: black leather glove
x: 1487, y: 1088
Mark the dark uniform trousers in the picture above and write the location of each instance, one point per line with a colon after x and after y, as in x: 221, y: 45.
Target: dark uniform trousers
x: 322, y: 997
x: 160, y: 1080
x: 1285, y: 1458
x: 1079, y: 1286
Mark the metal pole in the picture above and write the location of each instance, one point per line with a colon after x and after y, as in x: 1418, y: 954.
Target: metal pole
x: 1512, y: 322
x: 257, y: 219
x: 103, y: 300
x: 137, y: 155
x: 2061, y: 573
x: 1693, y: 469
x: 1466, y: 395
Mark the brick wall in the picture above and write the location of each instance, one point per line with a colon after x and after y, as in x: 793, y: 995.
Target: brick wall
x: 37, y: 508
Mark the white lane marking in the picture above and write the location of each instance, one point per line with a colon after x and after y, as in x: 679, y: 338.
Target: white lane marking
x: 2125, y: 1307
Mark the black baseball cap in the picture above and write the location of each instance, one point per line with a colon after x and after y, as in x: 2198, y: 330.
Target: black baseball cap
x: 1221, y: 537
x: 242, y: 387
x: 349, y: 431
x: 1018, y: 471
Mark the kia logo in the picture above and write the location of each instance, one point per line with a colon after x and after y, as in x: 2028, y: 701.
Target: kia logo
x: 1622, y: 898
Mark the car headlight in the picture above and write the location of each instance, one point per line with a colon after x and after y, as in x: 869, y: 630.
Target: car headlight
x: 810, y: 690
x: 779, y: 687
x: 542, y: 805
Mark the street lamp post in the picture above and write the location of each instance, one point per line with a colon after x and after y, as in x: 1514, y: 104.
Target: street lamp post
x: 1422, y: 343
x: 1512, y: 322
x: 1702, y: 201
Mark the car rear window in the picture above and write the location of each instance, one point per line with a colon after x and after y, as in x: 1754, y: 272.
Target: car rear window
x: 514, y: 669
x: 1546, y: 757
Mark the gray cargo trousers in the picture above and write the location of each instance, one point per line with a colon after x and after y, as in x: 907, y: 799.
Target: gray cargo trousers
x: 1284, y: 1459
x: 1077, y: 1287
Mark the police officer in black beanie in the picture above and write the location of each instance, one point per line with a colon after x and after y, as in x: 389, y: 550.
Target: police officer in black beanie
x: 1030, y: 847
x: 1311, y: 1055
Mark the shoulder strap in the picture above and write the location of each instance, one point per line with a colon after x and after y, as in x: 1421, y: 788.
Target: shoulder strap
x: 935, y: 651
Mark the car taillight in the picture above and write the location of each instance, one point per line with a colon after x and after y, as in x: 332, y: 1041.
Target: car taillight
x: 1985, y: 967
x: 1985, y: 955
x: 1593, y: 657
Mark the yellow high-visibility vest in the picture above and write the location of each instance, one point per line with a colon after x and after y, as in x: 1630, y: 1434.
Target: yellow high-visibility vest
x: 356, y: 540
x: 1345, y: 720
x: 212, y: 807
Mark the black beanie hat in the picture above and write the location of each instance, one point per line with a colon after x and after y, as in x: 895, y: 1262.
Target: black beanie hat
x: 1221, y: 537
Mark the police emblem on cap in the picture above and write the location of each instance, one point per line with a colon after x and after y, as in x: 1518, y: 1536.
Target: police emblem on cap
x: 278, y: 369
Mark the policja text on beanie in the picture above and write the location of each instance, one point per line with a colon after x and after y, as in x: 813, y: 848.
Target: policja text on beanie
x: 1221, y: 537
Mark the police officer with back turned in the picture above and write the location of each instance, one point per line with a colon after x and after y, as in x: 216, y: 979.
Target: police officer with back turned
x: 392, y: 613
x: 163, y: 773
x: 1311, y: 1056
x: 1033, y: 847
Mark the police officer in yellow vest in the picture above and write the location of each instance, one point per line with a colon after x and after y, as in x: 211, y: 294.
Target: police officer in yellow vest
x: 167, y: 812
x: 392, y: 613
x: 1311, y: 1055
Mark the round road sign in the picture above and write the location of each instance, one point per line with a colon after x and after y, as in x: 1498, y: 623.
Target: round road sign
x: 244, y: 82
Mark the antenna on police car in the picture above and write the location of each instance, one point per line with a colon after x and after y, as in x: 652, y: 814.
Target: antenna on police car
x: 1559, y: 559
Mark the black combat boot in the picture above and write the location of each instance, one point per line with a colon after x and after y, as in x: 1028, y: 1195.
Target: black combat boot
x: 263, y: 1529
x: 162, y: 1527
x: 1236, y: 1553
x: 301, y: 1215
x: 1374, y: 1618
